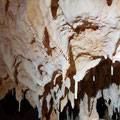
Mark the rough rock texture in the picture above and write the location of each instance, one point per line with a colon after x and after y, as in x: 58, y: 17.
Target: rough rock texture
x: 61, y: 50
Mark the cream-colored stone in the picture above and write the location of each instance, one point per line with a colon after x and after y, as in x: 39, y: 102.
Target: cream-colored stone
x: 82, y: 32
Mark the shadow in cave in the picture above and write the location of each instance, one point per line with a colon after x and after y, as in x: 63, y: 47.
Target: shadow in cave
x: 102, y: 108
x: 68, y: 113
x: 9, y: 108
x: 116, y: 114
x: 114, y: 117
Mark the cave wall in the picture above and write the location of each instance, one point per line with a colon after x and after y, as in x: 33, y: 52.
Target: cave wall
x: 61, y: 50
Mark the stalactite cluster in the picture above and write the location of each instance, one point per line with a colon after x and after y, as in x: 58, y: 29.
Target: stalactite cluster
x: 65, y: 54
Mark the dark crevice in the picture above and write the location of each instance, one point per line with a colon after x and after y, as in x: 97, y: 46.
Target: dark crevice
x: 109, y: 2
x: 72, y: 69
x: 101, y: 107
x: 54, y: 7
x: 86, y: 25
x: 9, y: 108
x: 46, y: 42
x: 116, y: 114
x: 69, y: 112
x: 33, y: 41
x: 7, y: 6
x: 40, y: 71
x: 16, y: 72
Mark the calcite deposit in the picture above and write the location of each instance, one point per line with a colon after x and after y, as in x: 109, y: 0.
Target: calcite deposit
x: 61, y: 51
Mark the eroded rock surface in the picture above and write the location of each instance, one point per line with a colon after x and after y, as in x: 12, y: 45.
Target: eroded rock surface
x: 61, y: 50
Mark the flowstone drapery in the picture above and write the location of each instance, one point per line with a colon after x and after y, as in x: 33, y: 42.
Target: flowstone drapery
x: 61, y: 50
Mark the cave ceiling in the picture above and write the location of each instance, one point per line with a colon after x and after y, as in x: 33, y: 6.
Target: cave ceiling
x: 60, y: 50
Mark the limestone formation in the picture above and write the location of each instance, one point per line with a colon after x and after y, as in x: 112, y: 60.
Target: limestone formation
x: 61, y: 50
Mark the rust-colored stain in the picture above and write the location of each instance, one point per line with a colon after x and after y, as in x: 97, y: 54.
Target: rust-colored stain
x: 16, y: 72
x: 39, y: 66
x: 84, y: 26
x: 54, y: 7
x: 109, y: 2
x: 9, y: 12
x: 50, y: 85
x: 103, y: 79
x: 46, y: 42
x: 33, y: 41
x: 116, y: 47
x: 7, y: 6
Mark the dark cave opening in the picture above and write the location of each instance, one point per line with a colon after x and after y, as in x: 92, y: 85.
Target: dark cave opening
x: 68, y: 113
x: 9, y: 108
x: 116, y: 114
x: 101, y: 108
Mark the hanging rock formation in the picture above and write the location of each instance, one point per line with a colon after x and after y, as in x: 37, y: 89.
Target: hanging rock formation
x: 66, y: 53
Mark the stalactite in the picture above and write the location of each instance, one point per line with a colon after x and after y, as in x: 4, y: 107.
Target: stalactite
x: 19, y: 106
x: 93, y: 78
x: 48, y: 98
x: 111, y: 70
x: 63, y: 103
x: 76, y: 88
x: 71, y: 97
x: 39, y: 109
x: 105, y: 56
x: 65, y: 51
x: 58, y: 114
x: 65, y: 66
x: 67, y: 112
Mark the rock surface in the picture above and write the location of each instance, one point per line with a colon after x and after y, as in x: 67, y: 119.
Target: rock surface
x: 59, y: 50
